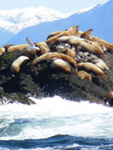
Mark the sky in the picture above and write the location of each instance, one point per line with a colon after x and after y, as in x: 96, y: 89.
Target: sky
x: 63, y: 6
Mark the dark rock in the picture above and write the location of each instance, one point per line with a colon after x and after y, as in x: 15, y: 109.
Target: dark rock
x: 1, y: 94
x: 17, y: 98
x: 40, y: 80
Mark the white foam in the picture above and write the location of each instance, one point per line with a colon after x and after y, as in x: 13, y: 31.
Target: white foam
x: 53, y: 116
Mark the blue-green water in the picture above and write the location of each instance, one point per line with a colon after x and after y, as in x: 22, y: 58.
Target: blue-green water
x: 56, y: 124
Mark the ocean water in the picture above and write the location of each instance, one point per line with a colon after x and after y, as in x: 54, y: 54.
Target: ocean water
x: 56, y: 124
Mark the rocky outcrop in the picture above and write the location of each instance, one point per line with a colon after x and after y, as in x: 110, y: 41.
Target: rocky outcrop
x: 42, y: 80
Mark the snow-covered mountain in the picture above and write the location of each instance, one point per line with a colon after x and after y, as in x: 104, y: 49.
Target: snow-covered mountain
x: 18, y: 19
x: 13, y: 21
x: 99, y: 18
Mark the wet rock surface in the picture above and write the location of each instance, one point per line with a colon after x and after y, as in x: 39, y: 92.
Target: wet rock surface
x: 42, y: 81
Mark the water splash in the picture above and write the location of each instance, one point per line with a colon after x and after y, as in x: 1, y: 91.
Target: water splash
x: 54, y: 116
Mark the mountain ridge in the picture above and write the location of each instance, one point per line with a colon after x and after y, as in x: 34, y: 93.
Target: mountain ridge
x: 18, y: 19
x: 96, y: 18
x: 13, y: 21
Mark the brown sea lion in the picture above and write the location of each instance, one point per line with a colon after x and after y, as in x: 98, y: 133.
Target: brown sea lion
x: 15, y: 67
x: 69, y: 52
x: 30, y: 53
x: 43, y: 47
x: 78, y: 33
x: 2, y: 50
x: 86, y: 34
x: 19, y: 47
x: 89, y: 46
x: 90, y: 67
x: 59, y: 63
x: 102, y: 42
x: 101, y: 64
x: 54, y: 34
x: 72, y: 40
x: 69, y: 32
x: 52, y: 55
x: 65, y: 48
x: 7, y: 46
x: 84, y: 75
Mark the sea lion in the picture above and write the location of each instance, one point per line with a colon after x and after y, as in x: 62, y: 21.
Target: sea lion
x: 19, y: 47
x: 69, y: 32
x: 78, y: 33
x: 60, y: 64
x: 30, y: 53
x: 69, y: 52
x: 101, y: 64
x: 65, y: 48
x: 86, y: 34
x: 52, y: 55
x: 90, y: 67
x: 72, y: 40
x: 15, y: 67
x: 7, y: 46
x: 89, y: 46
x: 43, y: 47
x: 88, y: 57
x: 84, y: 75
x: 2, y: 50
x: 102, y: 42
x: 54, y: 34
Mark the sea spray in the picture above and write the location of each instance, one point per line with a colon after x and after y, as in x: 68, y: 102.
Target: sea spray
x: 55, y: 116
